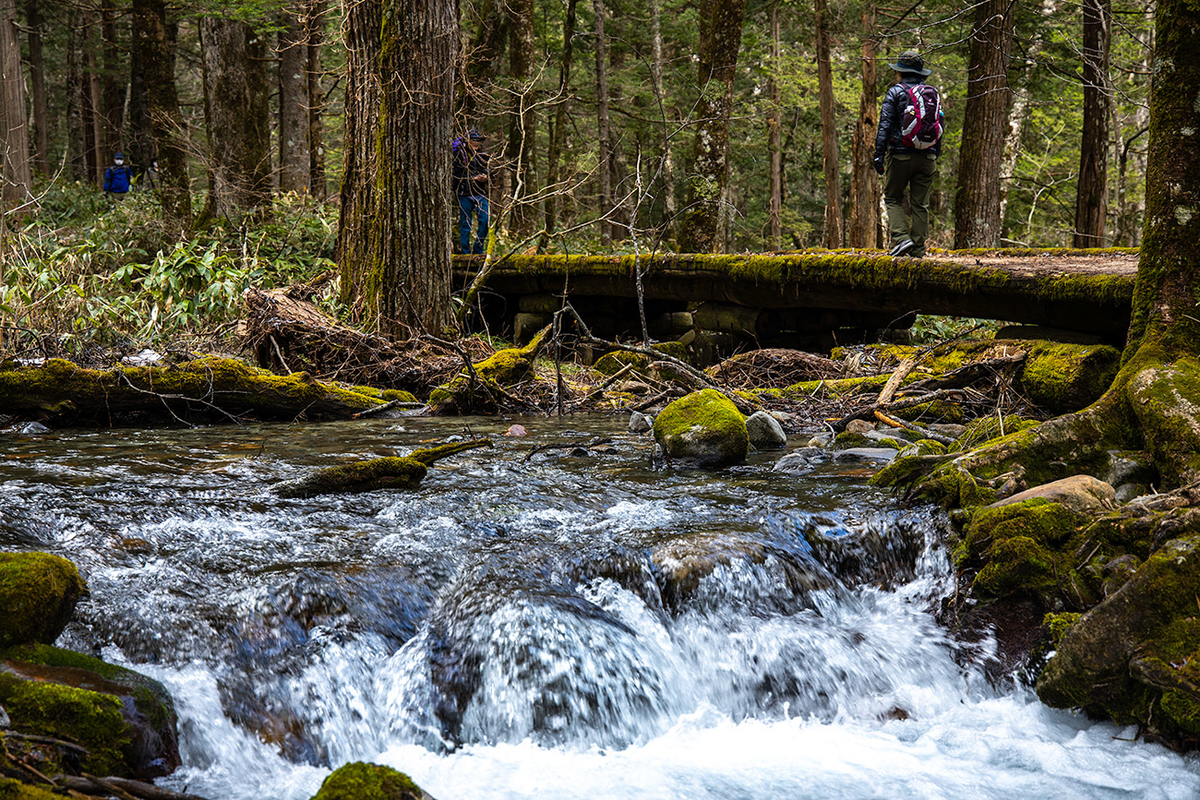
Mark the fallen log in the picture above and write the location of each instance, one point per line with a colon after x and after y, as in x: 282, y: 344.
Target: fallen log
x: 206, y: 388
x: 390, y: 472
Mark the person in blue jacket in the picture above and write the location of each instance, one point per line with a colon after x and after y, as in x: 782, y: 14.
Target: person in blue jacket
x: 470, y: 182
x: 117, y: 178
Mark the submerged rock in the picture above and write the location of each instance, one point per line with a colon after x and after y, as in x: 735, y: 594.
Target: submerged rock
x: 38, y: 592
x: 390, y: 472
x: 703, y: 429
x: 363, y: 781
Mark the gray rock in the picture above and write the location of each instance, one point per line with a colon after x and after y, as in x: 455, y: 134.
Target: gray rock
x: 4, y: 720
x: 865, y: 454
x: 27, y: 429
x: 799, y: 460
x: 818, y: 441
x: 640, y: 423
x: 1082, y: 494
x: 765, y: 431
x: 886, y: 439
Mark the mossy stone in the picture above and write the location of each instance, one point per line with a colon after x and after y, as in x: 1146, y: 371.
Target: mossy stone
x: 38, y: 592
x: 363, y: 781
x: 1063, y: 377
x: 703, y: 428
x: 11, y: 789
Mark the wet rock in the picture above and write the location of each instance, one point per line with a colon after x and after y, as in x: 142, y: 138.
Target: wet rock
x: 390, y: 472
x: 125, y: 720
x: 640, y: 423
x: 859, y: 426
x: 802, y: 459
x: 887, y: 439
x: 714, y: 570
x: 363, y: 781
x: 853, y: 454
x: 765, y: 432
x: 4, y: 720
x: 1134, y: 657
x: 516, y: 430
x: 38, y: 592
x: 702, y: 429
x: 27, y: 429
x: 1082, y: 494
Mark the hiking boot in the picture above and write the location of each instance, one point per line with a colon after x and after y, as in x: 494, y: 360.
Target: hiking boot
x: 902, y: 248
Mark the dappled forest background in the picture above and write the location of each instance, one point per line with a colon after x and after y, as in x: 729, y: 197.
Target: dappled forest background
x: 602, y: 118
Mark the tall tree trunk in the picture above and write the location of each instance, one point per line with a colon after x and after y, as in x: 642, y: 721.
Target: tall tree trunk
x: 239, y: 136
x: 775, y: 137
x: 112, y: 87
x: 394, y: 238
x: 14, y: 126
x: 558, y: 134
x: 833, y: 189
x: 519, y: 152
x: 604, y: 167
x: 977, y: 195
x: 720, y: 39
x: 1091, y: 198
x: 98, y: 156
x: 37, y: 88
x: 139, y: 137
x: 315, y: 25
x: 77, y: 148
x: 294, y: 149
x: 154, y: 47
x: 668, y: 121
x: 865, y: 193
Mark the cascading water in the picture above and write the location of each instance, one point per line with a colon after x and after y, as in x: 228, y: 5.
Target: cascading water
x: 567, y: 624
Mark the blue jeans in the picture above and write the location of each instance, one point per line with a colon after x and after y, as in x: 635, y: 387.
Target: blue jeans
x: 467, y: 206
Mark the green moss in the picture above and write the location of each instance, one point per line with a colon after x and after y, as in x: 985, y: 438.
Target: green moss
x: 985, y: 429
x: 933, y: 411
x: 1067, y: 377
x: 611, y: 363
x: 701, y: 423
x: 846, y: 440
x: 1166, y: 403
x: 362, y: 781
x: 1016, y: 566
x: 151, y: 697
x: 924, y: 447
x: 1058, y: 623
x: 399, y: 395
x: 11, y: 789
x: 362, y: 476
x: 38, y: 592
x: 90, y: 718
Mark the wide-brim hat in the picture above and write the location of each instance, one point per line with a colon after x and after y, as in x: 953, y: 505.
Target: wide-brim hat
x: 911, y: 61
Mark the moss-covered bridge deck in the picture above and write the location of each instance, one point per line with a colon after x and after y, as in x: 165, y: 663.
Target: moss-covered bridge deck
x: 769, y: 296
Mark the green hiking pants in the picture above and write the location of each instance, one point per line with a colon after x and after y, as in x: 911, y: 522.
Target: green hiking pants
x: 914, y: 172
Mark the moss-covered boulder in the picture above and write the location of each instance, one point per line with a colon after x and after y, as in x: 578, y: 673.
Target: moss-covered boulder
x: 363, y: 781
x: 1135, y: 657
x: 124, y: 719
x: 389, y: 472
x: 38, y: 592
x: 703, y: 429
x: 1063, y: 377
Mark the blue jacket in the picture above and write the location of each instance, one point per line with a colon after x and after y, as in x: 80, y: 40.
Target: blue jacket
x: 887, y: 136
x: 116, y: 179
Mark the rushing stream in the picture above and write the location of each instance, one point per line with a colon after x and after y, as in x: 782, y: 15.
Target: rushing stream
x: 569, y: 623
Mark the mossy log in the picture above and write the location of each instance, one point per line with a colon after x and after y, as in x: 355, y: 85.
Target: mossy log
x: 391, y: 472
x: 479, y: 388
x: 206, y: 388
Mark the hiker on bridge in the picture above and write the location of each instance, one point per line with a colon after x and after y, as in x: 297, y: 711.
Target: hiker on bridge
x: 470, y: 179
x: 907, y: 146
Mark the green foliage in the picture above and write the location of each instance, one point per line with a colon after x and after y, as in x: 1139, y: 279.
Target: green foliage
x: 89, y: 271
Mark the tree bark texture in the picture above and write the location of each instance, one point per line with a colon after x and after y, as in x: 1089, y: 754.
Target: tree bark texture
x: 294, y: 103
x: 239, y: 136
x: 977, y: 196
x: 14, y: 126
x: 863, y: 230
x: 1091, y: 197
x: 315, y: 26
x: 558, y: 134
x: 76, y: 147
x: 604, y: 142
x: 519, y: 151
x: 112, y: 87
x: 701, y: 230
x: 394, y: 239
x: 775, y: 137
x: 833, y: 189
x: 668, y: 117
x: 37, y: 89
x: 153, y: 45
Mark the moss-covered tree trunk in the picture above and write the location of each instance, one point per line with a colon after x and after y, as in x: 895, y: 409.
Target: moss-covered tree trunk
x: 977, y: 196
x: 155, y: 52
x: 701, y: 229
x: 236, y: 105
x: 394, y: 239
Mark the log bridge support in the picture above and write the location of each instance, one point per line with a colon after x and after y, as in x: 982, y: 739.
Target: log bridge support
x: 813, y: 300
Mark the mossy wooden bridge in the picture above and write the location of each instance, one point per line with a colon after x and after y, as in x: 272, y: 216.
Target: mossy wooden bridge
x: 805, y: 299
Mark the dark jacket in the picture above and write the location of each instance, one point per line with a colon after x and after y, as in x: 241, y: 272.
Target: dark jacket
x: 116, y: 179
x: 887, y: 136
x: 466, y: 167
